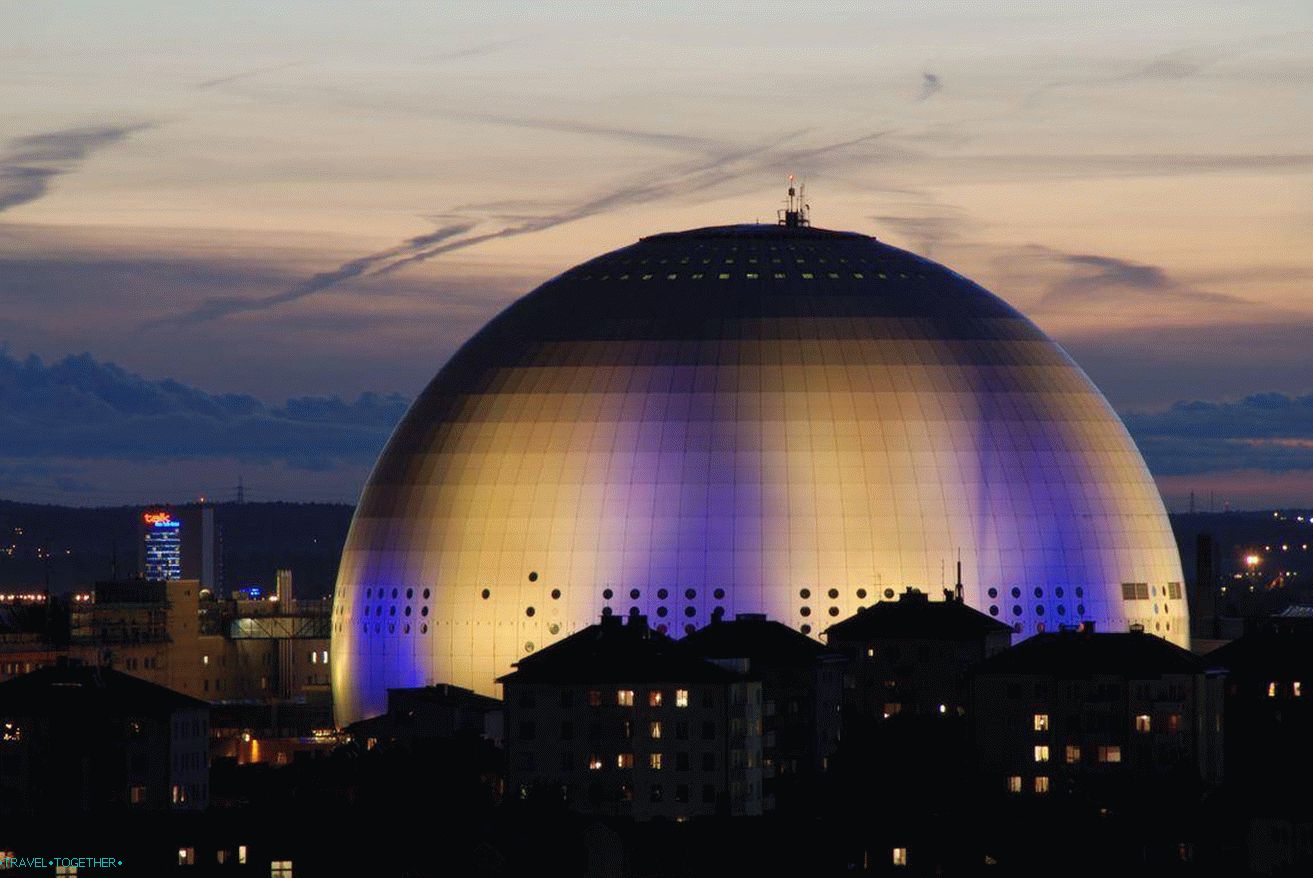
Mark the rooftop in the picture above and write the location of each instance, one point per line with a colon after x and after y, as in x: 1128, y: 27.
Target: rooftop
x: 81, y: 690
x: 754, y: 637
x: 615, y: 652
x: 914, y: 615
x: 1133, y: 654
x: 1271, y: 647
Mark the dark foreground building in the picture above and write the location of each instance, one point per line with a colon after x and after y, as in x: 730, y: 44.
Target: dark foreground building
x: 618, y: 720
x: 76, y: 739
x: 1102, y: 716
x: 801, y: 684
x: 913, y: 655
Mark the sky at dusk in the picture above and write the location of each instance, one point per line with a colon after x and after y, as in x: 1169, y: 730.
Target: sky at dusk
x: 236, y: 239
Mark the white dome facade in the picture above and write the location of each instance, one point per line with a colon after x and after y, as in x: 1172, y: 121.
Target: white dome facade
x: 762, y: 419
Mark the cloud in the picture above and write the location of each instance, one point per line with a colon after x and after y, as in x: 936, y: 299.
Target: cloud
x: 246, y: 74
x: 80, y: 408
x: 29, y: 164
x: 225, y: 306
x: 1268, y: 431
x: 931, y: 85
x: 1093, y: 279
x: 473, y: 51
x: 924, y: 226
x: 701, y: 175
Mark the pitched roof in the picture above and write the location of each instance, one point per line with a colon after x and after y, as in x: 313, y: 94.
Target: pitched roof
x: 1084, y: 653
x: 612, y: 652
x: 763, y: 641
x: 915, y: 615
x: 81, y: 689
x: 1266, y: 650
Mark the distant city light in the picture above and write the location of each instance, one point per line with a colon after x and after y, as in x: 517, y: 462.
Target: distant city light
x: 1252, y: 560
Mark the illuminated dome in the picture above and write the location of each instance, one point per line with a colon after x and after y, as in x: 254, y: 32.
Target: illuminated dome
x: 744, y: 419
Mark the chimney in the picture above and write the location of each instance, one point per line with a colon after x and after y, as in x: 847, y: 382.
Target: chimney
x: 283, y: 588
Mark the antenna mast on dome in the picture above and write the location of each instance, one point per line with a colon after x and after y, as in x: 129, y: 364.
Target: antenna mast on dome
x: 796, y: 212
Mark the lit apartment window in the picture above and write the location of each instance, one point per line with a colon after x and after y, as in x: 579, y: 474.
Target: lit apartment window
x: 891, y: 708
x: 323, y: 657
x: 1271, y: 690
x: 205, y: 659
x: 654, y: 698
x: 900, y: 856
x: 870, y: 652
x: 280, y: 869
x: 186, y: 856
x: 1041, y: 752
x: 1041, y: 722
x: 1295, y: 689
x: 66, y: 871
x: 1014, y: 783
x: 624, y: 697
x: 624, y: 760
x: 314, y: 657
x: 1173, y: 722
x: 594, y: 763
x: 1041, y: 785
x: 1143, y: 723
x: 681, y: 698
x: 241, y: 854
x: 1073, y: 754
x: 137, y: 795
x: 1111, y: 753
x: 656, y: 728
x: 594, y: 698
x: 654, y: 761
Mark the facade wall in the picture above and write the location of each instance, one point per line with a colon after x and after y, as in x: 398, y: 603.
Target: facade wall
x: 650, y: 753
x: 1100, y: 734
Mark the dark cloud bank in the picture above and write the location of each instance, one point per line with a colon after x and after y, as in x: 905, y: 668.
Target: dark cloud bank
x: 82, y: 408
x: 1271, y: 432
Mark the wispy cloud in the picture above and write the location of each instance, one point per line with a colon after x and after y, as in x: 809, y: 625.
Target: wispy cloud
x: 473, y: 51
x: 225, y: 306
x: 246, y: 74
x: 1088, y: 277
x: 931, y: 85
x: 29, y: 164
x: 702, y: 175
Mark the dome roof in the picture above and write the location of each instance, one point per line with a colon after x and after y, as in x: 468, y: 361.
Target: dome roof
x: 742, y: 419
